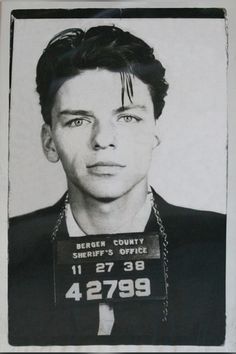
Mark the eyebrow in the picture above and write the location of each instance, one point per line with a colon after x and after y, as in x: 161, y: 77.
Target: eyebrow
x: 76, y: 112
x: 126, y: 108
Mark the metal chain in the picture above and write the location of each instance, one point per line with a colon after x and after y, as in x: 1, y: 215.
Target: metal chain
x: 59, y: 219
x: 165, y: 254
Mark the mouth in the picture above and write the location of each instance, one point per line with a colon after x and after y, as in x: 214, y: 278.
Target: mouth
x: 105, y: 168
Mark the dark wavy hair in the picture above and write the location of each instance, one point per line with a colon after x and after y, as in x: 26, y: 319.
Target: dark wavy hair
x: 107, y: 47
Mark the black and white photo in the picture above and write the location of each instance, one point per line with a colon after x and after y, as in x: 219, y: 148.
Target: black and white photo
x: 117, y: 178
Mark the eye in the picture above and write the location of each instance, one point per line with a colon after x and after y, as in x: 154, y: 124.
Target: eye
x: 78, y: 122
x: 129, y: 119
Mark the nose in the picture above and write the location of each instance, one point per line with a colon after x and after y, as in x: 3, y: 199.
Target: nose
x: 103, y: 136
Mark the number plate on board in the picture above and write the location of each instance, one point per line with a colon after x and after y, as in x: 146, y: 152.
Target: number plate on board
x: 106, y: 268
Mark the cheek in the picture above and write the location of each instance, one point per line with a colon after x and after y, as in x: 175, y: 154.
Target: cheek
x: 139, y: 142
x: 71, y: 147
x: 139, y: 152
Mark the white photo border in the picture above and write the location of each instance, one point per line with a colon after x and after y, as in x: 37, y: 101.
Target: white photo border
x: 229, y: 5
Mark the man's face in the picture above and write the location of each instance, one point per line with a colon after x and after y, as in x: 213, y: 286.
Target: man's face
x: 105, y: 148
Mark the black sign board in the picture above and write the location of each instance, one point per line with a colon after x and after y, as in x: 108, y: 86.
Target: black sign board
x: 107, y: 268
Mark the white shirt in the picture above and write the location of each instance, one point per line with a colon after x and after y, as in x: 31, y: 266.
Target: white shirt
x: 106, y: 313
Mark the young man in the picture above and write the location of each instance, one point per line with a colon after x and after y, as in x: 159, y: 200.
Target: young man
x: 101, y: 92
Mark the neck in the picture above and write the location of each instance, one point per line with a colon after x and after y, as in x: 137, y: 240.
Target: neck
x: 96, y: 216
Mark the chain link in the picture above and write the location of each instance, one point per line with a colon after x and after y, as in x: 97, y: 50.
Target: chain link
x: 165, y: 254
x: 59, y: 219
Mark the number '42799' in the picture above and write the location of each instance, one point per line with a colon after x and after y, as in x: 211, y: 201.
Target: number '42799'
x: 108, y: 289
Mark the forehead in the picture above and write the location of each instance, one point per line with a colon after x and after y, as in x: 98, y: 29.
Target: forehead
x: 101, y: 89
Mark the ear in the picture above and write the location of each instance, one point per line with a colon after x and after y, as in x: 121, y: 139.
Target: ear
x: 156, y: 142
x: 48, y: 144
x: 156, y: 139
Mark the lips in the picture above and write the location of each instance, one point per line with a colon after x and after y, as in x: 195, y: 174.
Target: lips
x: 105, y: 168
x: 105, y: 163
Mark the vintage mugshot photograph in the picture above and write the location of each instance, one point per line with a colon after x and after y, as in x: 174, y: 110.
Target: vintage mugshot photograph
x: 117, y: 176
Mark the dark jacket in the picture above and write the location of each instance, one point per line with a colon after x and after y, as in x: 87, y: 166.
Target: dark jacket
x: 196, y: 286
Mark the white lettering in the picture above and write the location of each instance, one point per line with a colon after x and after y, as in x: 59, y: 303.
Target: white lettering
x: 93, y: 244
x: 128, y: 242
x: 137, y: 250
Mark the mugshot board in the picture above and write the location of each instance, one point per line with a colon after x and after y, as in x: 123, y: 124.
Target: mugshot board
x: 117, y: 176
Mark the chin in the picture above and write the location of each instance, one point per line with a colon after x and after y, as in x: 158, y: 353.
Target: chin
x: 107, y: 192
x: 107, y: 189
x: 107, y: 196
